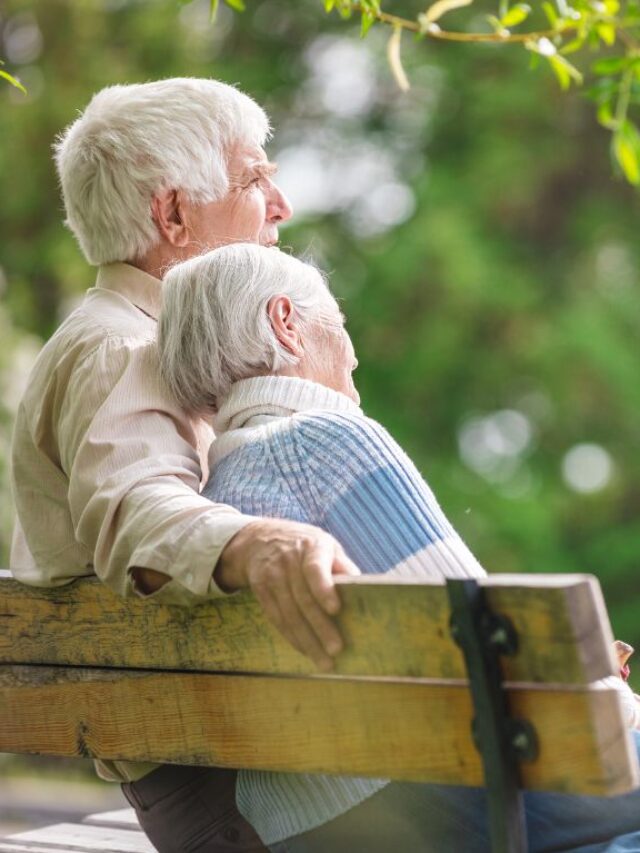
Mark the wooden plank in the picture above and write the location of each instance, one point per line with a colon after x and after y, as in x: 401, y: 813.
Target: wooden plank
x: 391, y: 627
x: 399, y: 729
x: 73, y: 837
x: 119, y: 819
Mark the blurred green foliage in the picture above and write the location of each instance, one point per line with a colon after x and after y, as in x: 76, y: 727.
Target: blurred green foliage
x: 487, y: 260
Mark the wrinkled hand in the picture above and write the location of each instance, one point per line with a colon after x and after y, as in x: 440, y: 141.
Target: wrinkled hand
x: 290, y: 567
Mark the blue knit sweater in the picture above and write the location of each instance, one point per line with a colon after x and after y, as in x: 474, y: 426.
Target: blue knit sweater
x: 289, y: 448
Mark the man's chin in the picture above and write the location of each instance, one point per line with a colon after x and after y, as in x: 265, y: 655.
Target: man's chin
x: 269, y: 238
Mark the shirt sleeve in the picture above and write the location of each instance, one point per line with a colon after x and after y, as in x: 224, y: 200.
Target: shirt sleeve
x: 132, y: 461
x: 371, y: 497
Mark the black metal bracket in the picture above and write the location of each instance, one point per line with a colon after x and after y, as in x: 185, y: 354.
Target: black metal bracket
x: 502, y: 740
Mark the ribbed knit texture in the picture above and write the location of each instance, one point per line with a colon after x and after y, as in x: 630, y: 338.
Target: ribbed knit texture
x: 289, y: 448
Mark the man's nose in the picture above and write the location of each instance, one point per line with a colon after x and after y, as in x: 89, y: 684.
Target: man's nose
x: 279, y: 209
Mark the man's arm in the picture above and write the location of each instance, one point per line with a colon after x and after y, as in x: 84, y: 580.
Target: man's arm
x: 133, y: 490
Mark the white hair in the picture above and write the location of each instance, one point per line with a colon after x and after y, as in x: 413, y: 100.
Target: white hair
x: 214, y: 327
x: 132, y: 141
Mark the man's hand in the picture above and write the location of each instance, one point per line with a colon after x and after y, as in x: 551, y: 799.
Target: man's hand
x: 289, y: 567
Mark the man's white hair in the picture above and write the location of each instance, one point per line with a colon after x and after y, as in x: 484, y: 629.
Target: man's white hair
x: 214, y: 327
x: 132, y: 141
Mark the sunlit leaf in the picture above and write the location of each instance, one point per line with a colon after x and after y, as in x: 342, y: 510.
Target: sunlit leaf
x: 560, y: 70
x: 516, y: 15
x: 626, y: 151
x: 605, y: 116
x: 572, y: 46
x: 564, y: 71
x: 329, y: 4
x: 10, y: 79
x: 238, y: 5
x: 439, y: 8
x: 607, y: 33
x: 550, y: 12
x: 367, y: 22
x: 213, y: 10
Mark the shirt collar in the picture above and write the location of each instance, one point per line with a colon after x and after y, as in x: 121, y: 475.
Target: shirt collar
x: 277, y: 396
x: 138, y: 287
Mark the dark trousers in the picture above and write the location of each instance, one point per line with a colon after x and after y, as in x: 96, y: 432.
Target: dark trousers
x: 192, y: 810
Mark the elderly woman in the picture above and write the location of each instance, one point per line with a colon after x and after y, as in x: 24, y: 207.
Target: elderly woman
x: 254, y: 337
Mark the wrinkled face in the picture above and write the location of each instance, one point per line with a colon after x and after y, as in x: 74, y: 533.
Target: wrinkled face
x: 329, y: 356
x: 251, y: 210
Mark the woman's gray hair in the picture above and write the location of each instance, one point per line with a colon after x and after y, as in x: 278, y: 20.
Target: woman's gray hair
x: 214, y: 328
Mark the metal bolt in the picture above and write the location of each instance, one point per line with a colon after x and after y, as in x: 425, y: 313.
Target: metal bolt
x: 520, y: 742
x: 499, y: 636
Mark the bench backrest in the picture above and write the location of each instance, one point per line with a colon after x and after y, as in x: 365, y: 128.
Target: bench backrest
x: 85, y: 673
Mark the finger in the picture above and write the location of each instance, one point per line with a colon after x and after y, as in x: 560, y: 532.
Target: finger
x: 294, y: 626
x: 317, y: 564
x: 342, y: 565
x: 321, y: 624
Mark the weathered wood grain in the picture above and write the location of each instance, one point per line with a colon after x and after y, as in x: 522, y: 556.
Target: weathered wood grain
x: 414, y: 730
x: 77, y: 838
x: 391, y: 627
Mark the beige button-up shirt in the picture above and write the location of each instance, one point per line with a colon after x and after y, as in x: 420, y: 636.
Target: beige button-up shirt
x: 106, y: 467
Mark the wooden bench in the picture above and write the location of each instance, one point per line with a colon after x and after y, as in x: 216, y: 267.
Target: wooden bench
x: 85, y: 673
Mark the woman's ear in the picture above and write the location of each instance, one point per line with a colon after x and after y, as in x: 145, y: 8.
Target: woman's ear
x: 168, y: 211
x: 284, y: 323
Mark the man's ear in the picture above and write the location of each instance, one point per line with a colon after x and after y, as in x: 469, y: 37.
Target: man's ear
x: 168, y: 211
x: 284, y: 323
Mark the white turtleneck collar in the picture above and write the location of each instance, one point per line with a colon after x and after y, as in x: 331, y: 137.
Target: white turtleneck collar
x: 261, y: 398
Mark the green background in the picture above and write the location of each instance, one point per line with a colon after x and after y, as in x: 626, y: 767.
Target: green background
x: 486, y: 256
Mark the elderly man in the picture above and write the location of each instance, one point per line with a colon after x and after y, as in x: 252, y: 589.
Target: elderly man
x: 106, y: 468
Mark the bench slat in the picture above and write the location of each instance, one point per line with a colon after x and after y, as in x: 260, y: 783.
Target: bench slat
x: 71, y: 837
x: 398, y: 729
x: 392, y: 628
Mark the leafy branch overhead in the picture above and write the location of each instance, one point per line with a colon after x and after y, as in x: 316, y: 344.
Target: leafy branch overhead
x: 567, y: 36
x: 8, y: 77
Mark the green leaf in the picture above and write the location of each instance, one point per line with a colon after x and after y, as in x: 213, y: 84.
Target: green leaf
x: 610, y: 65
x: 560, y: 71
x: 605, y: 116
x: 367, y: 22
x: 237, y: 5
x: 516, y: 15
x: 626, y: 151
x: 213, y: 10
x: 6, y: 76
x: 607, y: 33
x: 328, y: 5
x: 572, y: 46
x: 552, y: 15
x: 602, y: 90
x: 564, y: 71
